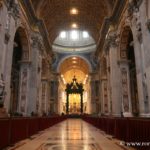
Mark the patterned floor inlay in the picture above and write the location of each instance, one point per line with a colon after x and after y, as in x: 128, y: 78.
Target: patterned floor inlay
x: 66, y: 139
x: 70, y: 146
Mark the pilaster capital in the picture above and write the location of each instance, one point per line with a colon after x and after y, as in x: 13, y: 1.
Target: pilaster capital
x: 13, y: 9
x: 37, y: 41
x: 133, y: 6
x: 111, y: 41
x: 134, y: 17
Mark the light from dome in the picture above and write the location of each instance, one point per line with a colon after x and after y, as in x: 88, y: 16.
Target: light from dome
x: 63, y: 34
x: 85, y: 34
x: 74, y: 25
x: 74, y: 62
x: 73, y: 11
x: 74, y: 58
x: 74, y: 35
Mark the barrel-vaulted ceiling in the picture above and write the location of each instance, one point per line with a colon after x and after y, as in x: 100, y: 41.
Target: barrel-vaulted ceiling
x: 56, y: 15
x: 76, y: 63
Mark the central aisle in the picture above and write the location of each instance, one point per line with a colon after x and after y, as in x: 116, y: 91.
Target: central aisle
x: 72, y: 134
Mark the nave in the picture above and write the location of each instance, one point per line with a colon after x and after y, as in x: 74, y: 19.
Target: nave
x: 71, y: 134
x: 81, y: 58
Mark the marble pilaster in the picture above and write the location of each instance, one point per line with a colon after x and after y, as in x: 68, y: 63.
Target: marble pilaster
x: 140, y: 35
x: 33, y: 79
x: 144, y: 19
x: 115, y: 86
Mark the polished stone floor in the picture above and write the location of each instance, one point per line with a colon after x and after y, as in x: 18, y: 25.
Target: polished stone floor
x: 72, y: 134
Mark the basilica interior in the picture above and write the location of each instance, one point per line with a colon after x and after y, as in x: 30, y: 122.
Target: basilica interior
x: 74, y: 74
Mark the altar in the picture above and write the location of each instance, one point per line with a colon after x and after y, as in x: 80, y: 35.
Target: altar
x: 74, y: 103
x: 74, y: 97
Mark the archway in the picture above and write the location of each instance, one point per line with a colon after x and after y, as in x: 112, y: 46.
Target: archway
x: 127, y: 53
x: 70, y: 67
x: 20, y: 56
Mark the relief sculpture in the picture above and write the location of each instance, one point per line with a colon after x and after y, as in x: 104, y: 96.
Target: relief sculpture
x: 125, y: 96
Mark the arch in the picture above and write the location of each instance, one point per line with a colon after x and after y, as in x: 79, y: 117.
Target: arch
x: 19, y: 72
x: 70, y: 56
x: 74, y: 62
x: 23, y: 36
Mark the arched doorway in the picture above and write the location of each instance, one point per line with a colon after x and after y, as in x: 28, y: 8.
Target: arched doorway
x: 127, y: 53
x: 18, y: 77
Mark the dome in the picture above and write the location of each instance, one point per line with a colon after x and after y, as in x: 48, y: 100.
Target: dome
x: 74, y: 40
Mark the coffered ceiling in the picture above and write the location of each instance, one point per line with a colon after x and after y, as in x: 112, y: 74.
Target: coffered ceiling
x: 56, y: 15
x: 74, y: 63
x: 80, y: 76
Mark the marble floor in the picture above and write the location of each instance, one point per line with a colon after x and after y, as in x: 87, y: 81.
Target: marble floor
x: 71, y: 134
